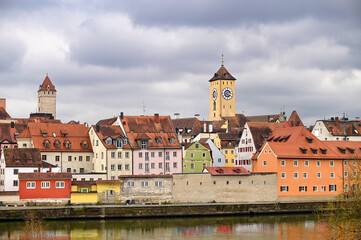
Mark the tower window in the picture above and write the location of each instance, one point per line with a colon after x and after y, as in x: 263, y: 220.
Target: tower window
x: 214, y: 105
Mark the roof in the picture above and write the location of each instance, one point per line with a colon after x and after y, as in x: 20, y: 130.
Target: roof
x: 346, y: 149
x: 83, y: 184
x: 47, y: 83
x: 187, y: 126
x: 202, y: 141
x: 298, y: 142
x: 24, y: 157
x: 237, y: 121
x: 8, y: 133
x: 4, y: 114
x: 226, y: 171
x: 150, y: 128
x: 56, y: 135
x: 108, y: 181
x: 295, y: 120
x: 262, y: 130
x: 266, y: 118
x: 342, y: 127
x: 108, y: 121
x: 222, y: 74
x: 112, y: 131
x: 145, y: 176
x: 47, y: 175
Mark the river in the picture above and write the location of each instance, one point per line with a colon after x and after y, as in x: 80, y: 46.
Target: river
x: 233, y: 227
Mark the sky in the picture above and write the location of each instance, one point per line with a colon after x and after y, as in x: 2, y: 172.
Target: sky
x: 107, y: 57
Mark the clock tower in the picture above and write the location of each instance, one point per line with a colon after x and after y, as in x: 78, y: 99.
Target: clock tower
x: 222, y: 95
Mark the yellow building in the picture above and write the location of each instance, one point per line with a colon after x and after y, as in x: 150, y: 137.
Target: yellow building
x: 227, y: 143
x: 222, y: 95
x: 101, y: 191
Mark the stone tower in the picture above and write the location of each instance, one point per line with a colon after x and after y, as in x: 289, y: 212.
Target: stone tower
x: 47, y: 97
x: 222, y: 95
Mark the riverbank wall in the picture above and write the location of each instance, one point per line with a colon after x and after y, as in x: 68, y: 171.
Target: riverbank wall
x: 164, y: 210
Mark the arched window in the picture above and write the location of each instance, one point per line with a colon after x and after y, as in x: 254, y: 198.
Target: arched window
x: 214, y: 105
x: 57, y: 144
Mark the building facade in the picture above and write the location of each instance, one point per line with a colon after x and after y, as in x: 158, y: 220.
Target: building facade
x: 196, y: 157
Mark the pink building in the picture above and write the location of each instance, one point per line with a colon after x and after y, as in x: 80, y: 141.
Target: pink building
x: 156, y: 149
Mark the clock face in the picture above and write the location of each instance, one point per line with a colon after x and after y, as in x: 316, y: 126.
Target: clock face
x: 214, y: 94
x: 227, y: 93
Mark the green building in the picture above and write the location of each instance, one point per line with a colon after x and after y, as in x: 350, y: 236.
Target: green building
x: 196, y: 156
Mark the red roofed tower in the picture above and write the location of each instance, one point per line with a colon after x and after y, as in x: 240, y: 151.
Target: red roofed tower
x: 47, y: 97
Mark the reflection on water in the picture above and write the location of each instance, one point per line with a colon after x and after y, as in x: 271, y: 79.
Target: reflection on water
x: 241, y: 227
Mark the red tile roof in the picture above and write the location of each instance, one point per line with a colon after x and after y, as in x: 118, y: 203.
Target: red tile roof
x: 289, y: 142
x: 8, y: 134
x: 108, y: 121
x: 24, y: 157
x: 4, y: 114
x: 262, y: 130
x: 265, y: 118
x: 145, y: 176
x: 222, y: 74
x: 226, y: 171
x: 76, y: 134
x: 295, y: 120
x: 345, y: 149
x: 47, y: 175
x: 45, y: 84
x: 108, y: 181
x: 112, y: 131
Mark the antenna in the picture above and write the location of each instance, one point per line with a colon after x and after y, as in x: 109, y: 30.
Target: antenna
x: 222, y: 60
x: 143, y: 106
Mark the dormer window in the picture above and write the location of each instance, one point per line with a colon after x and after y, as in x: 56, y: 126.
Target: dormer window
x: 172, y: 141
x: 314, y: 150
x: 303, y: 150
x: 57, y: 144
x: 43, y: 132
x: 197, y: 145
x: 16, y: 134
x: 64, y: 133
x: 67, y: 144
x: 342, y: 150
x: 125, y: 141
x: 323, y: 151
x: 159, y: 140
x: 30, y: 161
x: 118, y: 143
x: 309, y: 140
x: 108, y: 141
x: 144, y: 144
x: 351, y: 150
x: 47, y: 144
x: 84, y: 144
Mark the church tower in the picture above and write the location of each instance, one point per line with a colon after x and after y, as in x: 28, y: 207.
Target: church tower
x: 47, y: 97
x: 222, y: 95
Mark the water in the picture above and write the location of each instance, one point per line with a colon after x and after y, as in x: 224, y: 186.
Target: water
x: 241, y: 227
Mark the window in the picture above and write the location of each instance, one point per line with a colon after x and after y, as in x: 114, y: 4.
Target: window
x: 102, y: 154
x: 318, y: 175
x: 43, y: 157
x: 81, y: 170
x: 172, y: 141
x: 119, y: 167
x: 302, y: 188
x: 30, y: 185
x: 127, y: 155
x: 295, y: 175
x: 167, y: 169
x: 219, y: 160
x: 226, y: 152
x: 59, y: 184
x: 67, y: 145
x: 112, y: 167
x: 112, y: 155
x: 192, y: 155
x: 323, y: 188
x: 346, y: 173
x: 130, y: 184
x: 87, y: 158
x: 306, y: 163
x: 232, y: 151
x: 16, y: 171
x: 283, y: 163
x: 68, y: 170
x: 118, y: 143
x: 144, y: 144
x: 152, y: 154
x: 345, y: 162
x: 160, y: 165
x: 284, y: 188
x: 146, y: 155
x: 57, y: 144
x: 315, y: 188
x: 174, y: 154
x: 15, y: 183
x: 192, y: 165
x: 283, y: 175
x: 126, y: 167
x: 295, y: 163
x: 346, y: 187
x: 332, y: 187
x: 140, y: 155
x: 167, y: 156
x: 152, y: 165
x: 175, y: 165
x: 305, y: 175
x: 159, y: 140
x: 331, y: 163
x: 69, y: 158
x: 119, y: 154
x: 45, y: 184
x: 204, y: 155
x: 355, y: 173
x: 318, y: 163
x: 158, y: 183
x: 145, y: 184
x: 140, y: 166
x: 264, y: 163
x: 159, y: 154
x: 97, y: 143
x: 354, y: 162
x: 57, y: 158
x: 146, y: 167
x: 80, y: 158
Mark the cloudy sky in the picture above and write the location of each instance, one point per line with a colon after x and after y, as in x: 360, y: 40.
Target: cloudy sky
x: 106, y: 57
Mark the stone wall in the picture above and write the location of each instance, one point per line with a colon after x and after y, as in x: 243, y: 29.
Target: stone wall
x: 203, y: 188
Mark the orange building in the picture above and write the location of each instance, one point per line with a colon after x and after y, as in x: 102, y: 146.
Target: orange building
x: 307, y: 168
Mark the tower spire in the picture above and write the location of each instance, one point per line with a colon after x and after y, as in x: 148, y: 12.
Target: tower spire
x: 222, y: 60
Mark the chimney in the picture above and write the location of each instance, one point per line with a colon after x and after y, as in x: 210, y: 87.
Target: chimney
x: 210, y: 128
x: 205, y: 127
x: 156, y: 117
x: 49, y: 168
x: 121, y: 115
x: 337, y: 121
x: 97, y: 128
x: 176, y: 116
x: 12, y: 125
x: 39, y: 168
x: 3, y: 103
x: 197, y: 115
